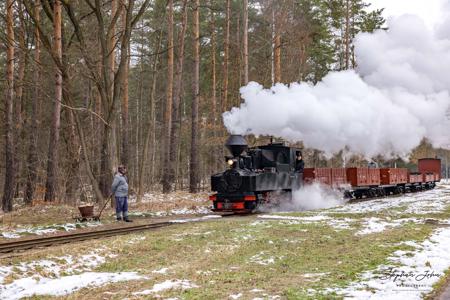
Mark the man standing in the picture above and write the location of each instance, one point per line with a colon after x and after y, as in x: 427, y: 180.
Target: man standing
x: 119, y: 189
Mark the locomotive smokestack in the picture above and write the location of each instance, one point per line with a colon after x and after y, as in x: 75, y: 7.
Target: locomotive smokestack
x: 236, y: 144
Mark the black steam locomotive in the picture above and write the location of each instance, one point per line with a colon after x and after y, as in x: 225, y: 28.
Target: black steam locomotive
x: 253, y: 173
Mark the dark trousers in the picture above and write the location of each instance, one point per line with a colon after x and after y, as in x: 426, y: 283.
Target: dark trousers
x: 121, y: 207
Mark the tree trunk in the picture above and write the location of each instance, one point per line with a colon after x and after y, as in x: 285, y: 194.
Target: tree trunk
x: 19, y: 99
x: 176, y: 122
x: 108, y: 152
x: 347, y: 34
x: 169, y: 98
x: 238, y: 65
x: 226, y: 57
x: 272, y: 53
x: 10, y: 174
x: 32, y: 159
x: 245, y: 42
x: 52, y: 163
x: 124, y: 156
x: 277, y: 52
x: 194, y: 161
x: 151, y: 130
x: 215, y: 150
x: 73, y: 146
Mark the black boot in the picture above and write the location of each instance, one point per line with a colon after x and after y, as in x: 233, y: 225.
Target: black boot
x: 118, y: 219
x: 127, y: 220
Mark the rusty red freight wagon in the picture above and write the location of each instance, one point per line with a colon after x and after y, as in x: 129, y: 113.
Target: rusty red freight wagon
x: 415, y: 178
x: 392, y: 176
x: 320, y: 175
x: 430, y: 165
x: 360, y: 177
x: 428, y: 177
x: 338, y: 177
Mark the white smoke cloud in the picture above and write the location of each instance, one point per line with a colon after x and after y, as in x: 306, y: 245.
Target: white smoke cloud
x: 398, y: 95
x: 310, y: 197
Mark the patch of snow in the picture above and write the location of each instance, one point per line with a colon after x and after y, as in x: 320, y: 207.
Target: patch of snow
x: 341, y: 223
x: 10, y: 235
x: 41, y: 230
x: 205, y: 273
x: 168, y: 285
x: 304, y: 219
x: 161, y: 271
x: 172, y: 197
x: 136, y: 239
x: 58, y: 276
x: 262, y: 259
x: 29, y: 286
x: 196, y: 219
x: 336, y: 223
x: 409, y: 277
x: 257, y: 223
x: 313, y: 275
x: 425, y: 202
x: 374, y: 225
x: 236, y: 296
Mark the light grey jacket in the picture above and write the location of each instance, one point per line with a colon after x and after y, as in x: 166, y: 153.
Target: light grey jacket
x: 119, y: 186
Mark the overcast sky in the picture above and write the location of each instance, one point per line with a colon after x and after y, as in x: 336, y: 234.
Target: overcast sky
x: 429, y: 10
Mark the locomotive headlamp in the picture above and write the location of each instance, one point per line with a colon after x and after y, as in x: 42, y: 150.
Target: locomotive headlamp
x: 230, y: 162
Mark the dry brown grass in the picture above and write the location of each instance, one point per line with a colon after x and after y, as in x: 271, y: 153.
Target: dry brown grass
x: 45, y: 213
x: 39, y: 214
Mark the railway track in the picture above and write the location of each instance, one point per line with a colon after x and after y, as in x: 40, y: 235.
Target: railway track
x: 75, y: 237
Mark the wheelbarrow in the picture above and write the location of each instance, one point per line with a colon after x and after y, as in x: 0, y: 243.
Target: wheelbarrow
x: 87, y: 212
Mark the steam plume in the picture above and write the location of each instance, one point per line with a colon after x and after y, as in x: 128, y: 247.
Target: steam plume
x: 398, y: 95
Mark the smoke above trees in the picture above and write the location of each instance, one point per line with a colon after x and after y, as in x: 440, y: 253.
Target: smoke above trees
x: 397, y: 95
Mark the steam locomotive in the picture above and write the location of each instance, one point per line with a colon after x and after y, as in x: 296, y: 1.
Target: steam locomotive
x: 255, y: 173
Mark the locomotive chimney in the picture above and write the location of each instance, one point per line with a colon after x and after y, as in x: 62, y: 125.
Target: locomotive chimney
x: 236, y: 144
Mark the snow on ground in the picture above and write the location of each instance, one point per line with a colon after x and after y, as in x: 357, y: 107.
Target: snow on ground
x: 168, y: 285
x: 28, y: 287
x: 374, y: 225
x: 161, y: 271
x: 421, y: 203
x: 157, y: 204
x: 336, y: 223
x: 41, y: 230
x: 301, y: 219
x: 410, y: 274
x: 58, y: 276
x: 263, y: 259
x: 196, y: 219
x: 172, y: 197
x: 196, y: 210
x: 236, y: 296
x: 432, y: 201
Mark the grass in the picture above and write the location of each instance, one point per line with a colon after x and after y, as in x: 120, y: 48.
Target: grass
x: 290, y: 259
x: 227, y: 257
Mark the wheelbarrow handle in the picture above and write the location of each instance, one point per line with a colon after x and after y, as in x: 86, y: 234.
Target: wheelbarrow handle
x: 104, y: 205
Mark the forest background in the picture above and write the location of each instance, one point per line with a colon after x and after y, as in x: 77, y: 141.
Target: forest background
x: 91, y: 84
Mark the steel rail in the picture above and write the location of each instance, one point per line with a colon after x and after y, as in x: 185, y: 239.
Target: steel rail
x: 74, y: 237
